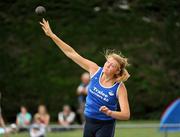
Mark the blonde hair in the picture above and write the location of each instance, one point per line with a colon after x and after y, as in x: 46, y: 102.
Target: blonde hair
x: 37, y: 117
x: 123, y: 74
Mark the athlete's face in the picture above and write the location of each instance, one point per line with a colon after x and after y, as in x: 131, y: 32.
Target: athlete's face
x: 111, y: 66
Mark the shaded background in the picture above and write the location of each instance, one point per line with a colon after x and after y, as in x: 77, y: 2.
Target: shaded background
x: 33, y: 71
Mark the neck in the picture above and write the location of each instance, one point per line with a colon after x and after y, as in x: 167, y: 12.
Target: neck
x: 108, y: 78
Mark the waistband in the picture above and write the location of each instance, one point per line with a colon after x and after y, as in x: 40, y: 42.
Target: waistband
x: 97, y: 121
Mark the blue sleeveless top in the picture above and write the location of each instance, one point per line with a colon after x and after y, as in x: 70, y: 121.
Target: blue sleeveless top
x: 99, y: 95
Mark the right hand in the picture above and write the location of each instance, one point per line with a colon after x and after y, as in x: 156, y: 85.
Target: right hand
x: 105, y: 110
x: 47, y: 29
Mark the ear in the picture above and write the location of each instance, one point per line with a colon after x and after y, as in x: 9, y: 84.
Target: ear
x: 118, y: 71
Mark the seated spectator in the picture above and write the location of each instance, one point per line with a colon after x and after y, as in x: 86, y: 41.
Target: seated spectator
x: 82, y: 92
x: 6, y: 130
x: 66, y: 117
x: 23, y: 119
x: 44, y: 116
x: 10, y: 129
x: 2, y: 125
x: 37, y: 129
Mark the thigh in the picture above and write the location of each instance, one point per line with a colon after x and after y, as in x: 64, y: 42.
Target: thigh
x: 107, y: 130
x: 89, y: 130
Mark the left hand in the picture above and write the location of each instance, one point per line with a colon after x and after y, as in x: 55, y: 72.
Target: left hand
x: 105, y: 110
x: 46, y: 27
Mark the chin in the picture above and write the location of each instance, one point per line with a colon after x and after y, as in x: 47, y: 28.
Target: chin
x: 106, y: 71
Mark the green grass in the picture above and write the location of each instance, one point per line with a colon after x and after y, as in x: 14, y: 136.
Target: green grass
x: 143, y: 132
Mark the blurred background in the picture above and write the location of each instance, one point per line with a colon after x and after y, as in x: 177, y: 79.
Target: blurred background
x: 33, y: 71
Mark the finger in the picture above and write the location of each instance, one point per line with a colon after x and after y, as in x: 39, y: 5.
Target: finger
x: 48, y: 24
x: 44, y: 29
x: 43, y: 20
x: 41, y: 23
x: 101, y: 108
x: 104, y: 109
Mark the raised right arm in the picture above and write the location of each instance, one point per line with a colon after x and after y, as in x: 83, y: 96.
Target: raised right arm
x: 86, y: 64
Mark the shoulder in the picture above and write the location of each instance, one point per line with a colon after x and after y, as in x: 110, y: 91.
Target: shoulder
x: 94, y: 71
x: 28, y: 114
x: 19, y: 114
x: 60, y: 113
x: 37, y: 114
x: 73, y: 114
x: 122, y: 89
x: 122, y: 86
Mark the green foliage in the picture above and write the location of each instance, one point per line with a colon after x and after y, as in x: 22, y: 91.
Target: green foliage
x: 33, y: 71
x: 123, y: 132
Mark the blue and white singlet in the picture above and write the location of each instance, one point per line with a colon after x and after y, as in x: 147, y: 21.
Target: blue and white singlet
x: 99, y: 95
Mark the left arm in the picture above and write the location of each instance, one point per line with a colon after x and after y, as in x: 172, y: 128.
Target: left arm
x: 47, y: 119
x: 2, y: 124
x: 124, y: 114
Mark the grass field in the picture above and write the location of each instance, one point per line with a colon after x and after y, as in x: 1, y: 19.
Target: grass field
x: 120, y: 132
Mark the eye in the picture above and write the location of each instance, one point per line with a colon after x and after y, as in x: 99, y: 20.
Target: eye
x: 107, y: 62
x: 113, y: 65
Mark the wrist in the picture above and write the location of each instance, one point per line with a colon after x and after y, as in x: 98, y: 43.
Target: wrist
x: 109, y: 113
x: 52, y: 35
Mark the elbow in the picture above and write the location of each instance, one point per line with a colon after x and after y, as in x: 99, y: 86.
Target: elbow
x: 70, y: 53
x: 126, y: 116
